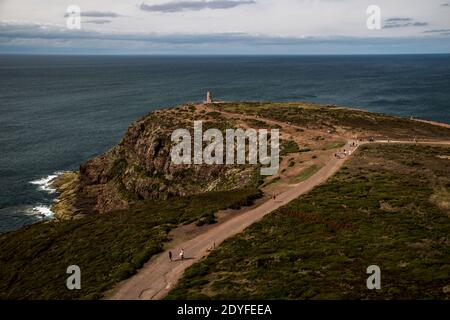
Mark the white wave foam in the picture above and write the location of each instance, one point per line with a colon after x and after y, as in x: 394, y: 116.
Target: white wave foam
x: 40, y: 211
x: 43, y: 211
x: 45, y: 184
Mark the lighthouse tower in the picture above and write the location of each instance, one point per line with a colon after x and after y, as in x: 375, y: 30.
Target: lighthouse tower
x: 209, y: 97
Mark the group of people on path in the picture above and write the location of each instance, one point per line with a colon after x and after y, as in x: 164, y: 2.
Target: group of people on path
x: 181, y: 255
x: 342, y: 154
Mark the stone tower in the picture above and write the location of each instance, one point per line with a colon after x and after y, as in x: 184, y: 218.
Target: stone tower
x: 209, y: 97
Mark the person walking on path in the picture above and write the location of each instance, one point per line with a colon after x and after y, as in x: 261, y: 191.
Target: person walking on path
x: 182, y: 254
x: 170, y: 256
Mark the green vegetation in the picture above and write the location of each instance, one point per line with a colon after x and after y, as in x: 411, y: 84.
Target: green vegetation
x: 305, y: 149
x: 258, y: 124
x: 335, y: 145
x: 311, y: 115
x: 273, y: 181
x: 117, y: 168
x: 107, y: 247
x: 214, y: 114
x: 308, y: 172
x: 376, y: 210
x: 288, y: 146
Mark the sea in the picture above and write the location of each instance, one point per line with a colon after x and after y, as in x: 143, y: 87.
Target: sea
x: 56, y: 112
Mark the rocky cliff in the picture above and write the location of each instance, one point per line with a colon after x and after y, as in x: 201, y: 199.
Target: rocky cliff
x: 140, y: 168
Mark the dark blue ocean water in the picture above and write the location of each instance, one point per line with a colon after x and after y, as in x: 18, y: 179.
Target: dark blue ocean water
x: 58, y: 111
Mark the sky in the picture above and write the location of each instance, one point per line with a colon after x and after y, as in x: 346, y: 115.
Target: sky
x: 224, y: 27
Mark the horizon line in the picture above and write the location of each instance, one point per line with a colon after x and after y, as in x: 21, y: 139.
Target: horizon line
x: 220, y: 54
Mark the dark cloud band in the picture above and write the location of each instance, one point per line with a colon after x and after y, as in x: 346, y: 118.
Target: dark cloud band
x: 178, y: 6
x: 97, y: 14
x: 402, y: 23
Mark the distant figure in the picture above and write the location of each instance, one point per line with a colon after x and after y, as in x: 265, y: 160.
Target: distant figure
x: 415, y: 140
x: 274, y: 196
x: 182, y: 254
x: 170, y: 255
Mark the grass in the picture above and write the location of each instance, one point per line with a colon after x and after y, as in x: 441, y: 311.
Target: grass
x: 307, y: 173
x: 273, y: 181
x: 257, y: 124
x: 107, y: 247
x: 376, y: 210
x: 328, y: 117
x: 335, y: 145
x: 288, y: 146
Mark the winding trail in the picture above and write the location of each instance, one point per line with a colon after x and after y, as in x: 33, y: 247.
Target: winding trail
x: 159, y: 275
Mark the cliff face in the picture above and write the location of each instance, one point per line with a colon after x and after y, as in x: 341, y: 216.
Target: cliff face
x: 140, y: 168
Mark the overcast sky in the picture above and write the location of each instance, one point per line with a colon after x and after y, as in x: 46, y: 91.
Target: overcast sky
x: 225, y: 27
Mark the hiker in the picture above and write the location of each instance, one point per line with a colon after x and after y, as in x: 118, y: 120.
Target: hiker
x: 182, y: 254
x: 170, y: 255
x: 274, y: 196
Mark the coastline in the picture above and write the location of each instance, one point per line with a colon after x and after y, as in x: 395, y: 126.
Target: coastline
x: 46, y: 184
x: 435, y: 123
x: 64, y: 185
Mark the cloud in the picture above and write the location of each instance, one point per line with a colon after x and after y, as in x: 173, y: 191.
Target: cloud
x: 97, y: 14
x: 402, y: 23
x: 437, y: 31
x: 398, y: 19
x: 177, y: 6
x: 98, y: 21
x: 53, y: 32
x: 53, y: 38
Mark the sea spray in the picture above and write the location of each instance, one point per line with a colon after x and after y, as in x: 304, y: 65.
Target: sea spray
x: 45, y: 184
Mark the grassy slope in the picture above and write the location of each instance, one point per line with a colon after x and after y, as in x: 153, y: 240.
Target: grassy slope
x: 108, y: 247
x: 359, y: 121
x: 390, y: 206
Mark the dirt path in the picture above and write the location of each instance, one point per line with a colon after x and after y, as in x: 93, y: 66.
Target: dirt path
x: 430, y: 142
x: 440, y: 124
x: 159, y: 275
